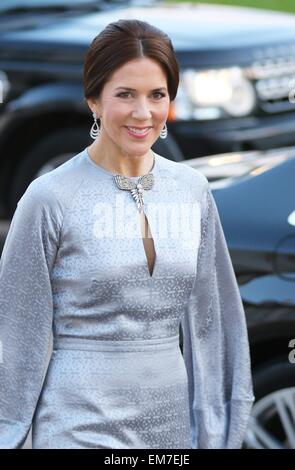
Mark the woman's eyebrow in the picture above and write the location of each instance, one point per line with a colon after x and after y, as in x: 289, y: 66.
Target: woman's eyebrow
x: 132, y: 89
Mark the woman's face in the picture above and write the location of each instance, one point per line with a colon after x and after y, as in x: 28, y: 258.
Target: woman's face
x: 136, y: 96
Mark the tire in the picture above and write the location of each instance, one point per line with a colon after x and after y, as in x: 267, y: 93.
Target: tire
x: 66, y: 142
x: 273, y: 382
x: 61, y: 146
x: 272, y: 376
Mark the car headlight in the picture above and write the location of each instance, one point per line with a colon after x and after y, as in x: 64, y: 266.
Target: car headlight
x: 4, y: 86
x: 211, y: 94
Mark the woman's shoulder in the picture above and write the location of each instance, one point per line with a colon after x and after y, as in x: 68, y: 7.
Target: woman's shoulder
x: 54, y: 190
x: 184, y: 173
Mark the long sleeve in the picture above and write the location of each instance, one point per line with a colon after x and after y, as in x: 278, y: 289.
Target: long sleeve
x: 26, y: 311
x: 215, y: 343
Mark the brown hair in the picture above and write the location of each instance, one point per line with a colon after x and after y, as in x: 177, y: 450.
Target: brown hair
x: 126, y: 40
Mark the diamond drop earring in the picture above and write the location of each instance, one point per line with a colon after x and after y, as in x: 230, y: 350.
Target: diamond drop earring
x: 164, y: 132
x: 95, y: 129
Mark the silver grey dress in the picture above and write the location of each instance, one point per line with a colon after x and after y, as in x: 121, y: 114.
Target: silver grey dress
x: 116, y: 377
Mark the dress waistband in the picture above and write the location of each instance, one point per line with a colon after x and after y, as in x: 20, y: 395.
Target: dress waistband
x: 120, y: 345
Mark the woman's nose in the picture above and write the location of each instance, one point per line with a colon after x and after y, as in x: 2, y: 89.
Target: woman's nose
x: 141, y: 110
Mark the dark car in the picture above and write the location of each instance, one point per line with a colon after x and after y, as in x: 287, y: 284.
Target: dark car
x: 235, y: 86
x: 255, y: 195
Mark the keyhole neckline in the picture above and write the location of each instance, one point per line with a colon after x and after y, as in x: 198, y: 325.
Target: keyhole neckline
x: 151, y: 275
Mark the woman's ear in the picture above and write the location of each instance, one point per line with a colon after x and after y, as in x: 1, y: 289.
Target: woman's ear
x: 93, y: 105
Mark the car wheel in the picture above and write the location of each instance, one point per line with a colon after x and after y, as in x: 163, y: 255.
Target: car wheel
x: 272, y: 421
x: 47, y: 154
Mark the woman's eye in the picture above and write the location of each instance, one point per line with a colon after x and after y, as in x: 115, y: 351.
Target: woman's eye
x: 157, y: 94
x: 124, y: 93
x: 160, y: 95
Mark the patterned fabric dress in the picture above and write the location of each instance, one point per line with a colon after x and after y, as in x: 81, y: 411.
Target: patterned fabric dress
x: 74, y: 264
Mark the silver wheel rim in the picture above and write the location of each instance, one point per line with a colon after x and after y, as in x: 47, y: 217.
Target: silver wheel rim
x: 272, y: 422
x: 54, y: 163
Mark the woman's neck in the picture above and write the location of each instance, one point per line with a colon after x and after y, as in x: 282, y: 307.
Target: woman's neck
x: 127, y: 165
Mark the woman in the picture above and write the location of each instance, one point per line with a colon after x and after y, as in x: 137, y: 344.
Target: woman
x: 114, y: 250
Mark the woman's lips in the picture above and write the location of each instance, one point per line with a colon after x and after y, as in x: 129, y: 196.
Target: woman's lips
x: 140, y: 134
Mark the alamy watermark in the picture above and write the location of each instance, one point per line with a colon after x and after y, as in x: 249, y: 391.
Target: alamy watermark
x: 292, y: 352
x: 166, y: 220
x: 4, y: 86
x: 1, y: 91
x: 292, y: 91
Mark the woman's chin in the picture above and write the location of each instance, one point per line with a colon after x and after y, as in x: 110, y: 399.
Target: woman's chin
x: 137, y: 149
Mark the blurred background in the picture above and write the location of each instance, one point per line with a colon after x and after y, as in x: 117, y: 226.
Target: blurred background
x: 233, y: 119
x: 279, y: 5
